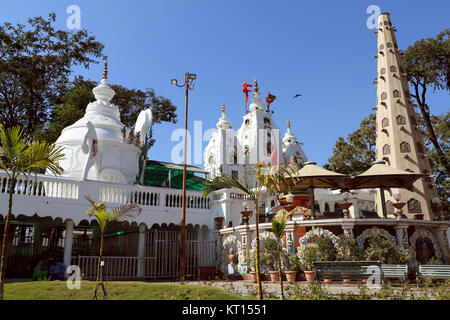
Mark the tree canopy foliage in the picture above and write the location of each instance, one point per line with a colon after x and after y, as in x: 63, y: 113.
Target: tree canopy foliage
x: 36, y: 90
x: 129, y: 101
x: 35, y: 65
x: 355, y: 154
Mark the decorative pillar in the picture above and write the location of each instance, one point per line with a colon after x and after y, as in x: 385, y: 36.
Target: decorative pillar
x: 401, y: 233
x: 141, y: 250
x: 348, y: 229
x: 244, y: 250
x: 441, y: 233
x: 217, y: 238
x: 68, y: 243
x: 290, y: 237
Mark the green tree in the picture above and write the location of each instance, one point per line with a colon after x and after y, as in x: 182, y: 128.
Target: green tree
x: 19, y: 155
x: 427, y: 66
x: 105, y: 217
x: 35, y: 66
x: 355, y: 154
x: 129, y: 101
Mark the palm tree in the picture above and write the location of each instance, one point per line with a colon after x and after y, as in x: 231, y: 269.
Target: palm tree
x: 20, y: 155
x: 269, y: 178
x: 278, y: 226
x: 225, y: 181
x: 105, y: 217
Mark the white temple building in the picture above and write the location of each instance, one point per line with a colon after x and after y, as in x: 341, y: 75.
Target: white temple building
x: 107, y: 162
x: 258, y: 139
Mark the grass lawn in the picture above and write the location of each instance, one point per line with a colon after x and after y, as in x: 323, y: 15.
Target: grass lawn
x: 118, y: 290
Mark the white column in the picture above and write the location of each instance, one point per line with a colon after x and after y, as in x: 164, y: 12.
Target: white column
x: 68, y: 239
x: 401, y: 232
x: 141, y: 249
x: 348, y: 229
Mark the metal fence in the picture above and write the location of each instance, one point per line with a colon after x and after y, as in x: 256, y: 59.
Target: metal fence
x: 161, y: 259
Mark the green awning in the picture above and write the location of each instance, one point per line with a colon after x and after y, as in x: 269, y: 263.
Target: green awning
x: 157, y: 175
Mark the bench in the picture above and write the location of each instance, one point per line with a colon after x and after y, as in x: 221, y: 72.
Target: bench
x: 343, y: 270
x: 435, y: 271
x: 395, y: 271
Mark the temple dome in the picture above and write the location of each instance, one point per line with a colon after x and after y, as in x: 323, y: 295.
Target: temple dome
x: 119, y: 158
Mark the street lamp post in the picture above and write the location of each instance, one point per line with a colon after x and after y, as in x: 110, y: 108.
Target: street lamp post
x: 188, y: 81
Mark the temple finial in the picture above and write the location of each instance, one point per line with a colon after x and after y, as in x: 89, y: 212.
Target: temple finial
x: 223, y: 108
x: 256, y: 87
x: 289, y: 124
x: 105, y: 69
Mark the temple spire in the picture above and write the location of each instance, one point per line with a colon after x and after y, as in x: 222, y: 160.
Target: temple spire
x: 105, y: 69
x: 256, y: 90
x: 399, y: 143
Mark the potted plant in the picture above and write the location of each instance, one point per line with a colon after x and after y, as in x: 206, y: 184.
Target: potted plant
x: 311, y: 254
x: 269, y: 259
x: 328, y: 250
x: 292, y: 263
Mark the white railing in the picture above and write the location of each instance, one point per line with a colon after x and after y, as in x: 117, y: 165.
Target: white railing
x: 66, y: 188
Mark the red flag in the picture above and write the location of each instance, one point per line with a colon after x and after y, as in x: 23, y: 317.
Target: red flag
x: 272, y: 161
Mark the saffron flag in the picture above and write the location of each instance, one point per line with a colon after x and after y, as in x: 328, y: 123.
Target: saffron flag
x: 272, y: 161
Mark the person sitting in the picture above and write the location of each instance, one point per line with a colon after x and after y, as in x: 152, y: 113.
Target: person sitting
x: 57, y: 270
x: 41, y: 270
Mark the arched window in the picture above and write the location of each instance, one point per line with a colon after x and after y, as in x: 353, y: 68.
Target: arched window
x: 401, y: 120
x: 389, y: 45
x: 269, y: 147
x: 393, y: 69
x: 396, y: 94
x: 386, y: 149
x: 267, y: 121
x: 381, y: 46
x: 383, y: 96
x: 385, y: 122
x: 247, y: 122
x: 383, y: 71
x: 404, y: 147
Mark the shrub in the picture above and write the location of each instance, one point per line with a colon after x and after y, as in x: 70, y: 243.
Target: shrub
x: 292, y: 262
x: 312, y: 254
x: 385, y: 251
x: 348, y: 249
x: 327, y: 247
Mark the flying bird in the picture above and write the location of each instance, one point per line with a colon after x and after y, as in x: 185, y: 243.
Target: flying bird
x: 297, y: 95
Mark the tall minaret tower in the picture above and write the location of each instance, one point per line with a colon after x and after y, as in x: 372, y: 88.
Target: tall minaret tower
x: 399, y: 141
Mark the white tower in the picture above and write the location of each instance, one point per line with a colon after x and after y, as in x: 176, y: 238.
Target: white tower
x: 399, y: 141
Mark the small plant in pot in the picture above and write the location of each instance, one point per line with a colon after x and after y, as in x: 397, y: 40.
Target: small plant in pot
x: 292, y: 263
x: 311, y: 254
x: 269, y: 259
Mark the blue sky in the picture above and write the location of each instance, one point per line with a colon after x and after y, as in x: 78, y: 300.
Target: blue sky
x: 322, y: 49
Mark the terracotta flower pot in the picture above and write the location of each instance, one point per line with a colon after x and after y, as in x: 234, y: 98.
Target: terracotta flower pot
x: 274, y: 276
x: 290, y: 276
x: 252, y: 276
x: 327, y: 281
x: 310, y: 276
